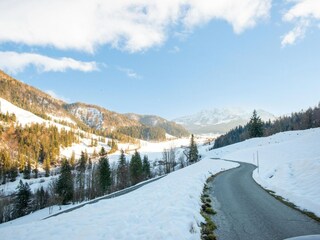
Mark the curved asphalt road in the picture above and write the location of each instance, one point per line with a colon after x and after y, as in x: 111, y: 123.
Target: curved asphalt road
x: 246, y: 211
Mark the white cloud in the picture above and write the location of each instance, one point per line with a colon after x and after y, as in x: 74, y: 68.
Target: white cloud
x: 304, y: 14
x: 55, y: 95
x: 14, y: 62
x: 130, y: 73
x: 132, y: 25
x: 297, y: 33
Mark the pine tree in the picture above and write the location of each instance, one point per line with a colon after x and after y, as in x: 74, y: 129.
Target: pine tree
x: 113, y: 145
x: 4, y: 164
x: 146, y: 168
x: 27, y: 169
x: 104, y: 175
x: 73, y: 160
x: 193, y: 154
x: 22, y: 162
x: 41, y: 198
x: 65, y: 188
x: 136, y: 168
x: 255, y: 126
x: 22, y: 200
x: 122, y: 172
x: 47, y: 166
x: 102, y: 151
x: 81, y: 174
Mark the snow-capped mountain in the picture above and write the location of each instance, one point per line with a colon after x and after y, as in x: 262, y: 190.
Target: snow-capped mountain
x: 219, y: 120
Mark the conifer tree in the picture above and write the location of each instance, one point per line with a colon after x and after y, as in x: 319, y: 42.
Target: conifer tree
x: 22, y: 200
x: 104, y: 175
x: 65, y: 187
x: 22, y: 162
x: 73, y: 160
x: 122, y: 172
x: 47, y: 166
x: 193, y: 154
x: 41, y: 198
x: 255, y: 125
x: 146, y: 168
x: 81, y: 174
x: 135, y: 168
x: 27, y: 169
x: 102, y: 151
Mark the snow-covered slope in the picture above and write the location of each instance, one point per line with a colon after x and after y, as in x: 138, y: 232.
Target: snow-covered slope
x: 23, y: 117
x: 165, y: 209
x: 219, y: 120
x: 91, y: 116
x: 289, y: 164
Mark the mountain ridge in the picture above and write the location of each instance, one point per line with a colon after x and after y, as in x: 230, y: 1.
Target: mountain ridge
x: 219, y: 121
x: 86, y: 116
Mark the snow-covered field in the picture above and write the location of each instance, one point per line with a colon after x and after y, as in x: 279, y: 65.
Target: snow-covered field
x: 289, y: 164
x: 166, y: 209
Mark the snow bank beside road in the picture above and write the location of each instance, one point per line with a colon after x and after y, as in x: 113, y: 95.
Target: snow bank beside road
x: 289, y: 164
x: 165, y: 209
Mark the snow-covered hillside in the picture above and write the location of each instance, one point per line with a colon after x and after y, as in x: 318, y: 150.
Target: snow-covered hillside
x: 165, y: 209
x: 289, y: 164
x: 23, y: 117
x: 219, y: 120
x: 91, y: 116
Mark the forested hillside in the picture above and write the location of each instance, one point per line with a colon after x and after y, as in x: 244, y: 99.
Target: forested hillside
x: 170, y: 127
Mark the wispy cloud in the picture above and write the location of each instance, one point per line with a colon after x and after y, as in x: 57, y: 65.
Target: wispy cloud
x: 303, y: 14
x: 129, y: 72
x: 55, y: 95
x: 14, y: 62
x: 175, y: 49
x: 129, y: 25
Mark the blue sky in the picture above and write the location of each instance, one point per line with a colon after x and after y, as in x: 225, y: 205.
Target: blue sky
x: 167, y: 58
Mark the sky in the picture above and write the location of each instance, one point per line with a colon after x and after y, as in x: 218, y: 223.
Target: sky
x: 166, y: 57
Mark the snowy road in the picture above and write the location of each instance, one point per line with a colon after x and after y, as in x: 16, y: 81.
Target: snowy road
x: 246, y: 211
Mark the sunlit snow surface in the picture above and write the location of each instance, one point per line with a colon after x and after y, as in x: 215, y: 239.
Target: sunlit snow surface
x: 165, y: 209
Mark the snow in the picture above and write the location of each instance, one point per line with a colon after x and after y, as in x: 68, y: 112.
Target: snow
x: 66, y: 119
x: 218, y: 116
x: 166, y: 209
x: 289, y: 164
x: 90, y: 115
x: 34, y: 183
x: 23, y: 117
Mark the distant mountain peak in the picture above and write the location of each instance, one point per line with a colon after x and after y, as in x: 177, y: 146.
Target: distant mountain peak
x: 219, y: 120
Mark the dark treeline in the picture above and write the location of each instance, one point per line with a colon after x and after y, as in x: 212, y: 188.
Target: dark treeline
x: 144, y: 132
x: 297, y: 121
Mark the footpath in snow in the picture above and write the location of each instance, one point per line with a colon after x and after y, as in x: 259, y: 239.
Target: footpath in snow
x: 289, y: 164
x: 165, y: 209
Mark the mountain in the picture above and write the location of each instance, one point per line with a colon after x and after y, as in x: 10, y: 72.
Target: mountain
x: 170, y: 127
x: 99, y: 118
x: 85, y: 116
x: 219, y: 121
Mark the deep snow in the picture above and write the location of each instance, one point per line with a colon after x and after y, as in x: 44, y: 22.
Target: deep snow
x: 166, y: 209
